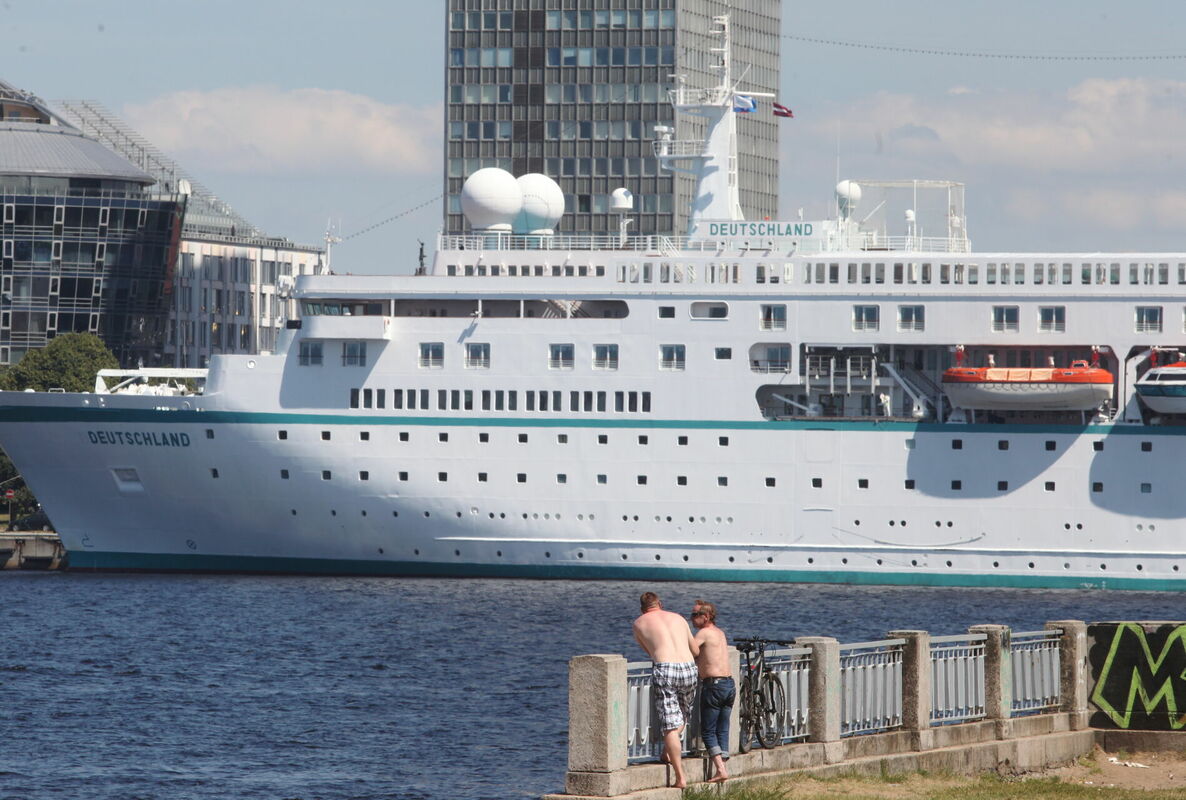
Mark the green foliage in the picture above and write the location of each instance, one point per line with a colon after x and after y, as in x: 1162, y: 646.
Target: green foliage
x: 68, y: 362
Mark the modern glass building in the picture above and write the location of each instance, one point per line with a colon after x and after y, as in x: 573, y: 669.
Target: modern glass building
x: 574, y: 88
x: 88, y: 243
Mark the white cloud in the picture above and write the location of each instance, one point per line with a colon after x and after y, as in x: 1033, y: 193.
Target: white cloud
x: 266, y: 130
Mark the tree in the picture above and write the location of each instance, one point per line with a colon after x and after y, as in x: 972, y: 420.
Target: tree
x: 68, y: 362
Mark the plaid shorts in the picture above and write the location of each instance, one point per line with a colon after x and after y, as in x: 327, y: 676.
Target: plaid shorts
x: 674, y: 687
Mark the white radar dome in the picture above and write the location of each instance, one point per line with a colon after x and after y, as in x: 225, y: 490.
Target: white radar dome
x: 491, y: 199
x: 543, y: 205
x: 848, y: 195
x: 621, y: 200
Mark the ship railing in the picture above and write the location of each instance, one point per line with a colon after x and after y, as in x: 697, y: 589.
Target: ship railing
x: 770, y: 365
x: 680, y: 148
x: 871, y: 686
x: 657, y: 245
x: 957, y: 678
x: 1036, y: 671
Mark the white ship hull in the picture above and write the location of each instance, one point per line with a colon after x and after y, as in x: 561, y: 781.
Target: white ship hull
x: 838, y: 510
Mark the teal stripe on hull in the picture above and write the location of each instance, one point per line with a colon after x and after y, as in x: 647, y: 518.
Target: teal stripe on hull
x: 151, y: 562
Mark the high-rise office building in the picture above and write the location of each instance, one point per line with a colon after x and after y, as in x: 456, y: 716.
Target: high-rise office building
x: 574, y: 89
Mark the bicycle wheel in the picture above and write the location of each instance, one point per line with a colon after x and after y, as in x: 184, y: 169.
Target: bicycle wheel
x: 748, y: 714
x: 774, y: 711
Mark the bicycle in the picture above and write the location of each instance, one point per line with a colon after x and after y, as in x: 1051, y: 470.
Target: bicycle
x: 763, y: 700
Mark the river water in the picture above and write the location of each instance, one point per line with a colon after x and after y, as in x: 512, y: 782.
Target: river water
x: 178, y: 687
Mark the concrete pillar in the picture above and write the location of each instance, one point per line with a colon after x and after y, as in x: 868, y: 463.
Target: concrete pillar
x: 998, y: 676
x: 735, y: 712
x: 1072, y: 666
x: 823, y: 695
x: 916, y: 687
x: 597, y: 724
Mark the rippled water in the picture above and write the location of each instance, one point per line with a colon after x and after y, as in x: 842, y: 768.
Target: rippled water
x: 179, y: 687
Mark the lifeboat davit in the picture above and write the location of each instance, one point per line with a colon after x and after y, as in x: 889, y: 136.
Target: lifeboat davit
x: 1164, y: 388
x: 1079, y: 387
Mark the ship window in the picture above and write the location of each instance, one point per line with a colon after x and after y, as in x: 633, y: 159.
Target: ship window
x: 602, y: 479
x: 354, y: 354
x: 862, y: 483
x: 908, y: 483
x: 326, y: 475
x: 403, y: 476
x: 1098, y: 486
x: 1051, y: 444
x: 442, y: 477
x: 642, y: 439
x: 707, y: 310
x: 284, y: 474
x: 911, y: 318
x: 723, y: 353
x: 817, y: 483
x: 477, y: 355
x: 957, y: 444
x: 773, y: 318
x: 1049, y: 486
x: 364, y: 436
x: 642, y: 480
x: 481, y: 477
x: 522, y: 438
x: 281, y: 435
x: 432, y: 355
x: 1097, y: 446
x: 1052, y: 319
x: 403, y: 436
x: 442, y: 436
x: 681, y: 480
x: 666, y: 312
x: 363, y: 475
x: 866, y: 318
x: 1002, y: 486
x: 325, y: 436
x: 1146, y: 447
x: 1004, y: 318
x: 1146, y: 488
x: 213, y: 473
x: 723, y: 441
x: 957, y: 485
x: 602, y: 438
x: 209, y: 433
x: 671, y: 357
x: 354, y: 398
x: 770, y: 482
x: 521, y: 477
x: 562, y: 438
x: 1148, y: 319
x: 560, y: 356
x: 682, y: 440
x: 561, y: 478
x: 1003, y: 444
x: 605, y: 356
x: 910, y: 444
x: 722, y: 480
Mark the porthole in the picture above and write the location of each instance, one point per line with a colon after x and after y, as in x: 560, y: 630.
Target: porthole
x: 879, y: 562
x: 547, y: 516
x: 686, y: 558
x: 427, y: 514
x: 535, y: 515
x: 547, y: 554
x: 1067, y: 525
x: 623, y: 556
x: 691, y: 519
x: 491, y: 515
x: 844, y: 561
x: 729, y: 520
x: 380, y: 551
x: 625, y: 518
x: 502, y: 515
x: 456, y: 552
x: 580, y: 554
x: 949, y: 523
x: 856, y: 522
x: 669, y: 519
x: 1103, y: 566
x: 949, y: 563
x: 364, y: 513
x: 395, y: 513
x: 730, y: 559
x: 1031, y: 565
x: 658, y: 557
x: 294, y: 512
x: 415, y: 552
x: 579, y: 516
x: 1078, y: 526
x: 1175, y: 568
x: 333, y: 513
x: 811, y: 561
x: 892, y: 523
x: 913, y: 562
x: 1139, y: 568
x: 902, y: 523
x: 498, y: 553
x: 1066, y: 565
x: 458, y: 515
x: 636, y: 518
x: 996, y: 564
x: 938, y: 524
x: 769, y: 560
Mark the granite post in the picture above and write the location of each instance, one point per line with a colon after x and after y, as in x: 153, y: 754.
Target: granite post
x: 998, y: 677
x: 597, y: 725
x: 1072, y: 667
x: 916, y: 687
x: 823, y: 695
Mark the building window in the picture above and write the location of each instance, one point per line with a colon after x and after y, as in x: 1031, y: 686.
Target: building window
x: 1052, y: 319
x: 866, y: 318
x: 723, y: 353
x: 477, y: 355
x: 666, y: 312
x: 560, y: 356
x: 1004, y: 318
x: 774, y: 318
x: 310, y: 355
x: 432, y: 355
x: 354, y: 354
x: 605, y: 356
x: 911, y: 318
x: 1148, y: 319
x: 672, y: 356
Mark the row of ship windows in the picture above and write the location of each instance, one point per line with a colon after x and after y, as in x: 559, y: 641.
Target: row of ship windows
x: 721, y: 481
x: 484, y: 436
x: 1049, y: 444
x: 500, y: 400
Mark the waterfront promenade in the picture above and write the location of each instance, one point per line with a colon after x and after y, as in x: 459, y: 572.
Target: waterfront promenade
x: 991, y: 699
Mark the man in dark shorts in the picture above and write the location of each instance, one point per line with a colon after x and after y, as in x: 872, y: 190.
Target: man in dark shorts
x: 717, y: 689
x: 666, y: 638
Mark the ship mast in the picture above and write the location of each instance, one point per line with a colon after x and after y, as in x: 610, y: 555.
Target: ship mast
x: 713, y: 159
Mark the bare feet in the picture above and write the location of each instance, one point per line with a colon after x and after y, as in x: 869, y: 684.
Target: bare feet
x: 717, y: 779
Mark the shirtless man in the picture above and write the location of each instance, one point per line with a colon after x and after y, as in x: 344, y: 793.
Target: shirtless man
x: 666, y: 638
x: 716, y: 686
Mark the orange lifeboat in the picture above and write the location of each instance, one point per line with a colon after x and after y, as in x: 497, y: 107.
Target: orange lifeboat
x: 1079, y: 387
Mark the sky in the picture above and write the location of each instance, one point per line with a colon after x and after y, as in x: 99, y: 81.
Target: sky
x: 301, y: 113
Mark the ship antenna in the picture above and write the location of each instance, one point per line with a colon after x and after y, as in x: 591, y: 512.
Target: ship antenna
x: 330, y: 241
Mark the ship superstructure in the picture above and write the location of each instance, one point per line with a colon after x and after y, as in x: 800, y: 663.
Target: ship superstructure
x: 751, y: 401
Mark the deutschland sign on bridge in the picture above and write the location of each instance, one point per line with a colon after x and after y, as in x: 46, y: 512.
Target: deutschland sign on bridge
x: 765, y: 229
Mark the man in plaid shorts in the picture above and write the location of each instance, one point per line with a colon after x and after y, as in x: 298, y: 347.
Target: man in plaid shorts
x: 668, y: 640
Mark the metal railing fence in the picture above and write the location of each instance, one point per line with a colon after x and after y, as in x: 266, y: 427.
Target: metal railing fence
x: 644, y: 740
x: 792, y: 667
x: 957, y: 678
x: 871, y: 686
x: 1036, y: 671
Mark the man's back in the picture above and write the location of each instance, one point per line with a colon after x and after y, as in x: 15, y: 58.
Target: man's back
x: 713, y: 658
x: 665, y: 636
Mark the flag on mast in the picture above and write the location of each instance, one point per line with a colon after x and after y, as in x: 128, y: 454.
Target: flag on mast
x: 781, y: 110
x: 743, y: 104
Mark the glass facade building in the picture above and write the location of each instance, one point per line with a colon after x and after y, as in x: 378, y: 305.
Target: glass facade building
x: 574, y: 89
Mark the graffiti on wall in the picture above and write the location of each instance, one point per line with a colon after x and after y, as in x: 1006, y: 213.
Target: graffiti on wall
x: 1139, y: 670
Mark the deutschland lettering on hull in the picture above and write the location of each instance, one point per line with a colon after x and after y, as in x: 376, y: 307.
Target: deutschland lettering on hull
x: 760, y: 229
x: 139, y: 438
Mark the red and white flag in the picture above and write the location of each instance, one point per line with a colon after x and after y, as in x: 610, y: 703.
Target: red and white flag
x: 781, y: 110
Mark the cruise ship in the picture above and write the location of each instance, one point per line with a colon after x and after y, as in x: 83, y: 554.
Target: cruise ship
x: 838, y: 401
